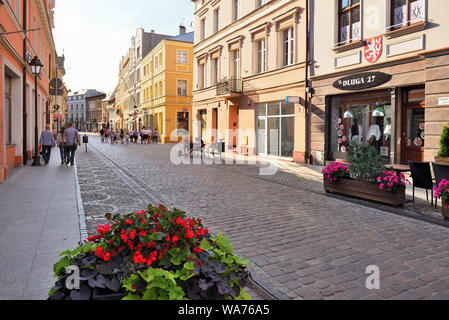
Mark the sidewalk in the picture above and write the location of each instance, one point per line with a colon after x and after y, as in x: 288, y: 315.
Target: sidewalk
x: 38, y: 221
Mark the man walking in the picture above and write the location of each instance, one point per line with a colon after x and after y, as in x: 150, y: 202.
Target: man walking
x: 47, y: 141
x: 72, y: 139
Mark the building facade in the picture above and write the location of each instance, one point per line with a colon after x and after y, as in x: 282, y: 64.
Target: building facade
x: 167, y: 83
x: 77, y: 107
x: 130, y: 76
x: 95, y: 116
x: 17, y: 83
x: 380, y: 72
x: 248, y: 57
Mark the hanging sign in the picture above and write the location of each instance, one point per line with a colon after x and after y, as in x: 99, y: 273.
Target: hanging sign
x: 362, y: 81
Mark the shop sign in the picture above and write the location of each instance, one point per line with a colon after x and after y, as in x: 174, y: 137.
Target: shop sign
x: 443, y: 101
x: 362, y: 81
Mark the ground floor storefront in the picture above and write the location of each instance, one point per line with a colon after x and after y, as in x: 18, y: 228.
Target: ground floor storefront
x: 255, y: 123
x: 399, y: 108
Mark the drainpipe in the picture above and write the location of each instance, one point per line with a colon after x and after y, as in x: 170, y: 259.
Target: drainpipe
x: 24, y: 86
x: 307, y: 153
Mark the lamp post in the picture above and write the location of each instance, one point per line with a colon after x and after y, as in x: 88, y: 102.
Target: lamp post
x: 36, y: 67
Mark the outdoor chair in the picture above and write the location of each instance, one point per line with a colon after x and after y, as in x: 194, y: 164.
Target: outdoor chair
x: 441, y: 172
x: 422, y: 178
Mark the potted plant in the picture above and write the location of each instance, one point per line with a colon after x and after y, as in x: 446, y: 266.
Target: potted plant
x: 443, y: 153
x: 155, y: 254
x: 365, y: 178
x: 442, y: 192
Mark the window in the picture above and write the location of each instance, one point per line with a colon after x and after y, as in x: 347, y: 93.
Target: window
x: 406, y: 12
x: 160, y: 59
x: 236, y: 63
x: 181, y: 57
x: 235, y: 10
x: 260, y: 3
x: 182, y: 87
x: 8, y: 110
x: 203, y: 29
x: 215, y: 66
x: 216, y: 19
x: 261, y: 56
x: 202, y: 76
x: 288, y: 47
x: 349, y: 22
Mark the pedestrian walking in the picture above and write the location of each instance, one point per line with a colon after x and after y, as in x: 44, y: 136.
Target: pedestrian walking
x: 144, y: 134
x: 116, y: 136
x: 122, y: 136
x: 106, y: 136
x: 102, y: 134
x: 127, y: 137
x: 136, y: 135
x: 111, y: 136
x: 72, y: 141
x: 150, y: 135
x: 155, y: 136
x: 47, y: 141
x: 60, y: 140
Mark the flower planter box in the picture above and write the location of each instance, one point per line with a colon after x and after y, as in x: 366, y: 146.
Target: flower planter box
x: 105, y: 295
x: 365, y: 190
x: 445, y: 212
x: 442, y: 160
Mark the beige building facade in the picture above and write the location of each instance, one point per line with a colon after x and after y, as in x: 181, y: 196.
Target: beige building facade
x: 380, y: 74
x: 248, y: 57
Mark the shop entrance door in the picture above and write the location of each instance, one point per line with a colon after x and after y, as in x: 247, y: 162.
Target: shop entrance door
x: 413, y: 132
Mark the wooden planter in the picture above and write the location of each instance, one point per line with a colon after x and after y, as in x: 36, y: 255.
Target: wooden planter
x: 365, y: 190
x: 442, y: 160
x: 445, y: 212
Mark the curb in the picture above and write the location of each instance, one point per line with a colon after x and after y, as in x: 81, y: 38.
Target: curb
x: 81, y: 214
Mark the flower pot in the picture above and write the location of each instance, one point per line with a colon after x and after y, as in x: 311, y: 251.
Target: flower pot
x: 106, y: 295
x: 442, y: 160
x: 365, y: 190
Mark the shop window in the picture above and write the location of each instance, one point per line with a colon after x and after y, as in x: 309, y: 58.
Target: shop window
x: 275, y: 129
x: 364, y: 119
x: 349, y: 21
x: 182, y: 123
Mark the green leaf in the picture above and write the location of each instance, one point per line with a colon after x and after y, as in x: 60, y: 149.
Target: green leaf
x: 243, y: 296
x: 130, y: 282
x: 157, y: 236
x: 61, y: 265
x: 131, y: 297
x: 224, y: 244
x: 189, y: 266
x: 205, y: 244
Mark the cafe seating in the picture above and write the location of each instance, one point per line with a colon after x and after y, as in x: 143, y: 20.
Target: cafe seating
x: 441, y: 172
x: 422, y: 178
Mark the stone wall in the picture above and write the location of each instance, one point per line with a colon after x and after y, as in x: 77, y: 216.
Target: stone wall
x: 437, y: 86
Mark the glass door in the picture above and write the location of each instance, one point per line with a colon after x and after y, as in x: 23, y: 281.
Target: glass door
x: 262, y: 136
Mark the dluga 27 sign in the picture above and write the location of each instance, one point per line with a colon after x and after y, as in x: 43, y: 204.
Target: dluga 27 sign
x: 362, y: 81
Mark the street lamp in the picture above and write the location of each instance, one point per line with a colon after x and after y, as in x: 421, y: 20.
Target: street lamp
x: 36, y: 67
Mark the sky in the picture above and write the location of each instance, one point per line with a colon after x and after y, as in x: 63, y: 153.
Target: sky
x: 95, y: 34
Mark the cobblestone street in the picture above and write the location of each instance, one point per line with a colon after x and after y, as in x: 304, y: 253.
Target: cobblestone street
x: 303, y: 244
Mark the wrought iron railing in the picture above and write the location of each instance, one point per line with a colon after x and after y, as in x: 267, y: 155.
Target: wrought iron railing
x: 229, y: 86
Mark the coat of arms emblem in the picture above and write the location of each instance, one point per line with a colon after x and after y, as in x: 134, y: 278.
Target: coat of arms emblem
x: 373, y: 49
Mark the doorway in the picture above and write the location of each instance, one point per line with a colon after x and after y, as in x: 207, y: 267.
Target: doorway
x: 413, y: 126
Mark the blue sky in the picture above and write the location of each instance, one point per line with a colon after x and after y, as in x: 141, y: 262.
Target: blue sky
x: 94, y: 34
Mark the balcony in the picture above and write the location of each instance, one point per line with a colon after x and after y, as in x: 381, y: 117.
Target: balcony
x: 230, y: 87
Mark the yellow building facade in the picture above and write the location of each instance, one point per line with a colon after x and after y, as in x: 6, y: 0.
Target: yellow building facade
x: 167, y: 82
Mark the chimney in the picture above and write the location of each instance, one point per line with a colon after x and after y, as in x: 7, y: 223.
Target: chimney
x: 182, y: 30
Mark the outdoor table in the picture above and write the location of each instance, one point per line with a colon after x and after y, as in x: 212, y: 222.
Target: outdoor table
x: 398, y: 168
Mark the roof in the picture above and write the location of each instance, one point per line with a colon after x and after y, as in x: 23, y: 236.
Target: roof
x: 186, y: 37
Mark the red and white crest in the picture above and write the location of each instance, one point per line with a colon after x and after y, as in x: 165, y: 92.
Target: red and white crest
x: 373, y: 49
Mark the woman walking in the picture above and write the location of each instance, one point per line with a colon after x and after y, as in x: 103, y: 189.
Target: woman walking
x: 60, y: 139
x: 155, y: 136
x: 122, y: 136
x: 111, y: 136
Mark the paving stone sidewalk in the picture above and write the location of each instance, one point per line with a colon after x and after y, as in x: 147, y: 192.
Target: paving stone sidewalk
x: 306, y: 245
x: 38, y: 220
